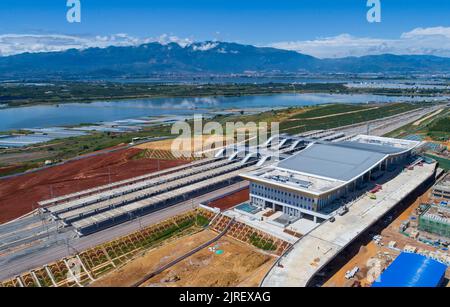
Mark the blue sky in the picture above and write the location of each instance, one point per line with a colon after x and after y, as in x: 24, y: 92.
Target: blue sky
x: 281, y: 23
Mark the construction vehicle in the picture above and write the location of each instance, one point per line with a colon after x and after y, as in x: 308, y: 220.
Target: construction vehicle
x: 372, y: 196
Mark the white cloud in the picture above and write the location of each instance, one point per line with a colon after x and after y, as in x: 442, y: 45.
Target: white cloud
x: 434, y: 31
x: 166, y: 39
x: 434, y: 41
x: 11, y: 44
x: 204, y: 46
x: 431, y: 41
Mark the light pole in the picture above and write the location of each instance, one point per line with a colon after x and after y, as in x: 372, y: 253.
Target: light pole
x: 67, y: 245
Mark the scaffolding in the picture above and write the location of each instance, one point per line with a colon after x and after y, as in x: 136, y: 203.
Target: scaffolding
x: 436, y: 220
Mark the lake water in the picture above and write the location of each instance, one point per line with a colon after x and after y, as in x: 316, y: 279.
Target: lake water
x: 76, y: 113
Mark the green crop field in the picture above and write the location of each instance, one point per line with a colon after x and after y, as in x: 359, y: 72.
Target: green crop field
x: 437, y: 127
x: 309, y: 121
x: 440, y: 128
x: 333, y: 109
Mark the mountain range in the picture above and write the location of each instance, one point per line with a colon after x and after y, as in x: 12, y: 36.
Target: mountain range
x: 202, y: 59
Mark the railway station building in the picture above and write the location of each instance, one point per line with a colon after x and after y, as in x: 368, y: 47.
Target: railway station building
x: 319, y: 179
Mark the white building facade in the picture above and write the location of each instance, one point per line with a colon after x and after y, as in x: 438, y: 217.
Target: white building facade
x: 317, y: 180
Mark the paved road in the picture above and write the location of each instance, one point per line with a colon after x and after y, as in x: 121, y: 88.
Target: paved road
x: 25, y: 230
x: 57, y: 248
x: 21, y: 223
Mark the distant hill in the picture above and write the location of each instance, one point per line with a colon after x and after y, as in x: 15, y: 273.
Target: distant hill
x: 387, y: 63
x: 202, y: 58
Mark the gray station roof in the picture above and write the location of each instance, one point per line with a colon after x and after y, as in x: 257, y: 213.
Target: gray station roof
x: 337, y: 161
x: 384, y: 149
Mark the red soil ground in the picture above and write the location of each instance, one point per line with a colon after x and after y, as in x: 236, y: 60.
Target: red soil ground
x: 19, y: 195
x: 231, y: 200
x: 5, y: 169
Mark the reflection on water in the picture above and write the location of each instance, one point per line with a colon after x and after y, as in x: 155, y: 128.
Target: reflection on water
x: 77, y: 113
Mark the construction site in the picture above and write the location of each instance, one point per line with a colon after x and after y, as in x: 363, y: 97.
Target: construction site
x: 168, y: 247
x: 207, y: 222
x: 398, y: 232
x: 26, y: 190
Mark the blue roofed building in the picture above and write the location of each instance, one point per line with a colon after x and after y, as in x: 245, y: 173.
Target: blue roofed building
x: 412, y: 270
